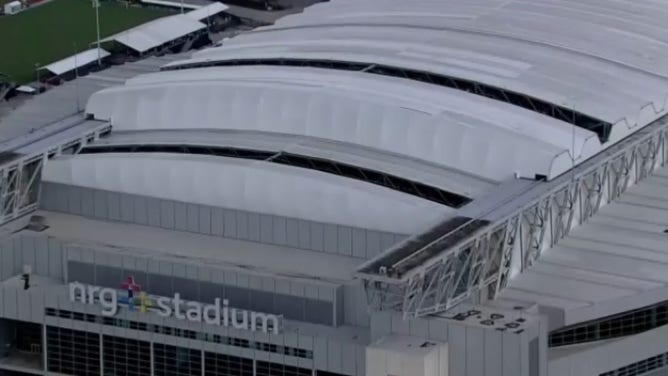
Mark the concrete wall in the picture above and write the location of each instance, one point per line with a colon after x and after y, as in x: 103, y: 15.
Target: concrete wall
x: 235, y: 224
x: 45, y: 255
x: 474, y: 351
x: 66, y: 262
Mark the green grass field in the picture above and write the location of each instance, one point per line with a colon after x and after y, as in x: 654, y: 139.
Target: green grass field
x: 52, y: 31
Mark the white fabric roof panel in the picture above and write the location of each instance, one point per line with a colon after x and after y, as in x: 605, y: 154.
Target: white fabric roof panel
x: 254, y: 186
x: 459, y: 131
x: 75, y: 61
x: 615, y: 262
x: 157, y: 32
x: 174, y: 4
x: 206, y: 11
x: 354, y: 155
x: 580, y: 55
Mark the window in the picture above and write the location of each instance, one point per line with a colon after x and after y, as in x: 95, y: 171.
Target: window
x: 277, y: 369
x: 72, y: 352
x: 623, y: 324
x: 128, y: 357
x: 224, y: 365
x: 325, y: 373
x: 641, y: 367
x: 176, y: 361
x: 208, y: 337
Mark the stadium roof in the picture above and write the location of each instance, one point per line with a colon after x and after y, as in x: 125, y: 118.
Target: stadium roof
x: 411, y: 169
x: 483, y: 91
x: 75, y: 61
x: 462, y: 132
x: 456, y: 96
x: 157, y: 32
x: 524, y: 55
x: 255, y: 186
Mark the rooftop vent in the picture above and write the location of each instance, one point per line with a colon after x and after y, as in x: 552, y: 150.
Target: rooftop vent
x: 37, y: 223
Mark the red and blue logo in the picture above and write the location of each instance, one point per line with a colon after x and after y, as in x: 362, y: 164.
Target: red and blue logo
x: 132, y: 288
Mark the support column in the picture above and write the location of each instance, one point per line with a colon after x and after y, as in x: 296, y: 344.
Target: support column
x: 45, y: 368
x: 152, y: 361
x: 202, y: 362
x: 100, y: 336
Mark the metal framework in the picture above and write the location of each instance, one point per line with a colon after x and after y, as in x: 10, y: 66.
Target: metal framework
x: 478, y: 266
x: 600, y: 127
x: 20, y: 175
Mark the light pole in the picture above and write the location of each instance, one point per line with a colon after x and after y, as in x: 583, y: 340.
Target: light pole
x: 96, y: 5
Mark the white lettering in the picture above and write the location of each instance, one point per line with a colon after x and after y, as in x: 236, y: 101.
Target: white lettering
x: 165, y: 309
x: 264, y: 318
x: 194, y: 312
x: 91, y: 294
x: 177, y: 306
x: 211, y: 313
x: 226, y: 314
x: 235, y: 319
x: 109, y: 300
x: 77, y: 292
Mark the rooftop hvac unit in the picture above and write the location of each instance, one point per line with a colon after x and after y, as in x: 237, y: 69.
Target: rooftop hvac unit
x: 37, y: 223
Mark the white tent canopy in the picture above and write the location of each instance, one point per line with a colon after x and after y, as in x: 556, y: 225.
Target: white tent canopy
x: 75, y: 61
x: 206, y: 11
x: 173, y: 4
x: 156, y: 33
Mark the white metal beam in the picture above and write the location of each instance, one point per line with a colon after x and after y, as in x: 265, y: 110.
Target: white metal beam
x: 455, y: 274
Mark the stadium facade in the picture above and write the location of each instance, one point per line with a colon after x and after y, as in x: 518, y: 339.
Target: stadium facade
x: 367, y: 188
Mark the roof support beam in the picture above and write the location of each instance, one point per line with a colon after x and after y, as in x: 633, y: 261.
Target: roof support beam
x: 477, y: 267
x: 20, y: 177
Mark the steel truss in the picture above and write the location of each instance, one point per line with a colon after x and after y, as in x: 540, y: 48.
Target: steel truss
x: 478, y: 266
x: 20, y: 177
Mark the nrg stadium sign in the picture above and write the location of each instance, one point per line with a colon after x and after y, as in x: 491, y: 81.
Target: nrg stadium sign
x: 218, y: 313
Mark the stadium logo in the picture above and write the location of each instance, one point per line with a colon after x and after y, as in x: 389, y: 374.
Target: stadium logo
x: 135, y: 299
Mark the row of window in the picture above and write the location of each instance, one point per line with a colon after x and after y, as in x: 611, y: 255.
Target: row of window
x: 184, y: 333
x: 220, y: 364
x: 124, y: 356
x: 77, y: 353
x: 624, y: 324
x: 641, y: 367
x: 72, y: 352
x: 176, y: 361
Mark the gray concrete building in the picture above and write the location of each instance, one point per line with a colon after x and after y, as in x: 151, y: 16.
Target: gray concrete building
x: 377, y: 188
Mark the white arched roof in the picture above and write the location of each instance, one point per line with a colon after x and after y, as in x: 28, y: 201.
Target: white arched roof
x: 606, y: 59
x: 249, y: 185
x: 457, y: 130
